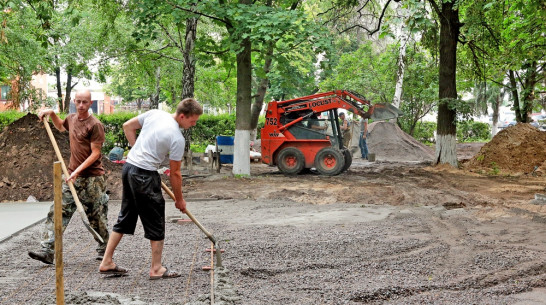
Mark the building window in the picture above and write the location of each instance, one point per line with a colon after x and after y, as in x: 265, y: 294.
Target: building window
x: 4, y: 90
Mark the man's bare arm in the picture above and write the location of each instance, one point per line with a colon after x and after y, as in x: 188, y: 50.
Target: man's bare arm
x: 130, y: 128
x: 176, y: 185
x: 57, y: 121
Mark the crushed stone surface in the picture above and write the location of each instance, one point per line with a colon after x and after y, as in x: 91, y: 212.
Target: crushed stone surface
x: 484, y: 247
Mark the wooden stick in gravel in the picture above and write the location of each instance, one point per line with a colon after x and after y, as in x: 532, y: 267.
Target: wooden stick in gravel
x: 211, y: 273
x: 70, y: 184
x: 58, y: 222
x: 198, y: 224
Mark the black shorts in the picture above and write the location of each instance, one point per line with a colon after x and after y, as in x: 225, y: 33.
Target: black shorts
x: 142, y: 198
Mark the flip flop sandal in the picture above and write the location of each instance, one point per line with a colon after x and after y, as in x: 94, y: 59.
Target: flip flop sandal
x: 166, y: 275
x: 117, y: 270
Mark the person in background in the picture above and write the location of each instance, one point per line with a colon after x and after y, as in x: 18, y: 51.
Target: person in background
x: 345, y: 129
x: 363, y: 135
x: 86, y: 134
x: 142, y: 197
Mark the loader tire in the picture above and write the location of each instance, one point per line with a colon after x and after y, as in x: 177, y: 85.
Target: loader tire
x: 290, y: 161
x: 348, y: 159
x: 329, y: 161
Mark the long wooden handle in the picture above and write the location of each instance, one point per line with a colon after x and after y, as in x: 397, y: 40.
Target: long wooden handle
x: 210, y: 237
x: 171, y: 194
x: 70, y: 184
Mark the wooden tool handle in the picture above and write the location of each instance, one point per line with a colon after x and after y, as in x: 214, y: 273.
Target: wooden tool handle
x: 171, y: 194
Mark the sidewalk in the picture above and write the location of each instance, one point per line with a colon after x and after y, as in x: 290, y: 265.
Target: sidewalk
x: 17, y: 216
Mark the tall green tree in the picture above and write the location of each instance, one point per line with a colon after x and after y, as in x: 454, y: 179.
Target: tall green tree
x: 505, y: 45
x: 21, y: 53
x: 447, y: 13
x: 259, y: 25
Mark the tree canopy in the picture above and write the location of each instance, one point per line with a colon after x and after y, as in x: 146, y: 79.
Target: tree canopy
x: 239, y: 54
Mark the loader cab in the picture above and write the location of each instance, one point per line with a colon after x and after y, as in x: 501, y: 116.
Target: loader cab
x: 324, y: 126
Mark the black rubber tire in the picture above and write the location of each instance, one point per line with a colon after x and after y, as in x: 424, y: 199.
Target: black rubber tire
x: 329, y: 161
x: 290, y: 161
x: 348, y: 159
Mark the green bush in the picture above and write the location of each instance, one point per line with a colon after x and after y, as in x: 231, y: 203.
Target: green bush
x: 424, y: 132
x: 470, y: 131
x: 210, y: 126
x: 113, y: 128
x: 10, y: 116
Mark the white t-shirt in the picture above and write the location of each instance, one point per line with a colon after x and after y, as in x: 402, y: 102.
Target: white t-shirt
x: 160, y: 136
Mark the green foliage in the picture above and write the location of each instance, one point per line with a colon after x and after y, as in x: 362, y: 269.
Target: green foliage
x: 494, y: 169
x: 424, y: 132
x: 502, y: 36
x: 210, y: 126
x: 21, y: 52
x: 467, y: 131
x: 113, y: 127
x: 199, y: 148
x: 470, y: 131
x: 420, y: 88
x: 8, y: 117
x: 368, y: 70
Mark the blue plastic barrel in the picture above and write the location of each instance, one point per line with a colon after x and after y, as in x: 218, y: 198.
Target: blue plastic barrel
x: 225, y: 147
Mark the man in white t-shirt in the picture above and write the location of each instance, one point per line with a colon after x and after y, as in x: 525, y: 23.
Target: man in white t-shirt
x: 159, y: 137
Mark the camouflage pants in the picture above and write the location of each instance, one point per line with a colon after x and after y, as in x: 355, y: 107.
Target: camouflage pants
x: 92, y: 194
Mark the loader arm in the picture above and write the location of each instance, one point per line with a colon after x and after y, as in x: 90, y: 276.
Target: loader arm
x: 343, y: 99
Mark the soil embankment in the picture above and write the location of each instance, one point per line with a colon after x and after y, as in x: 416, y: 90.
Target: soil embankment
x: 27, y: 160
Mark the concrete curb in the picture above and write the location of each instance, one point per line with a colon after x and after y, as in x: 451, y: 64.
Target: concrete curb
x: 19, y: 231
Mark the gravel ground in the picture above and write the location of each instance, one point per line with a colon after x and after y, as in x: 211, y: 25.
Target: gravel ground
x: 286, y: 243
x: 295, y: 253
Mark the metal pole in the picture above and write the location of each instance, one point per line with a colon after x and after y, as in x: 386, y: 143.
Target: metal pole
x: 58, y: 219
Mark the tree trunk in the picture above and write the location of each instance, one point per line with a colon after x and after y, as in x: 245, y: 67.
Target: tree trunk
x: 241, y: 154
x: 260, y: 95
x: 188, y: 78
x: 68, y: 90
x: 59, y: 89
x: 188, y: 75
x: 495, y: 117
x: 401, y: 68
x: 446, y: 134
x: 173, y: 96
x: 529, y: 91
x: 154, y: 99
x: 515, y: 95
x: 139, y: 103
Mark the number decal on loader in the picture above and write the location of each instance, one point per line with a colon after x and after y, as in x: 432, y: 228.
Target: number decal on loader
x: 271, y: 121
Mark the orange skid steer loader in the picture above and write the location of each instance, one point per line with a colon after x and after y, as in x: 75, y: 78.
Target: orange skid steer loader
x: 304, y: 133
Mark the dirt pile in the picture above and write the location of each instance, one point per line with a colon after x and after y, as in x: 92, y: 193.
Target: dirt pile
x: 390, y: 143
x: 27, y: 156
x: 517, y: 149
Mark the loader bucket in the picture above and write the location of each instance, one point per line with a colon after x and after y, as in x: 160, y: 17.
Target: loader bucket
x: 383, y: 112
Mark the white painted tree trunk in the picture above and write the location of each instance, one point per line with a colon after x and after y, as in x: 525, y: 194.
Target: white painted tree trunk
x: 401, y: 68
x: 494, y: 129
x: 446, y: 149
x: 241, y: 153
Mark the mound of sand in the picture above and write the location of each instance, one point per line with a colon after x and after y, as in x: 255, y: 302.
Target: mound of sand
x: 27, y: 156
x: 390, y: 143
x: 517, y: 149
